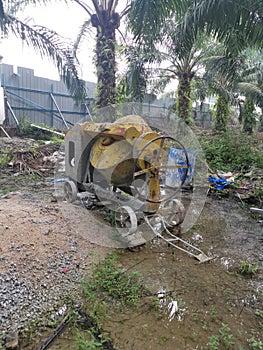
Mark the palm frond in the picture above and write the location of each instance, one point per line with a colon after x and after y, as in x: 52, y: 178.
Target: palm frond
x: 237, y: 22
x: 147, y: 17
x: 85, y: 30
x: 49, y: 44
x: 225, y: 66
x: 161, y: 78
x: 251, y: 90
x: 87, y: 8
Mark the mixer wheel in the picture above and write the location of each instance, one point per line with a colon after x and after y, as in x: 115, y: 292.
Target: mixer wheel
x: 125, y: 221
x: 70, y: 191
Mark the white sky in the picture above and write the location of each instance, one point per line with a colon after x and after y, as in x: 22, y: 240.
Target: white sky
x: 65, y: 19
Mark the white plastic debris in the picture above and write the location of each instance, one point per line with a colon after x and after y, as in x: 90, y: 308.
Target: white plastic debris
x: 226, y: 262
x: 230, y: 177
x: 161, y: 294
x: 173, y: 308
x: 197, y: 237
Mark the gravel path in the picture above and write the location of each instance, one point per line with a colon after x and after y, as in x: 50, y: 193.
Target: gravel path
x: 41, y: 261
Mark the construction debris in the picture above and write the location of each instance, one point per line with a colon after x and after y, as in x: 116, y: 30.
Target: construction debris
x: 37, y: 160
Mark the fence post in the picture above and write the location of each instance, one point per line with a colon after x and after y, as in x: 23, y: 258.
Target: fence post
x: 51, y: 106
x: 3, y: 79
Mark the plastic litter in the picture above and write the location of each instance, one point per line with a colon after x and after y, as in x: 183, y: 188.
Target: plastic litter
x: 177, y: 156
x: 59, y: 180
x: 220, y: 183
x: 173, y: 308
x: 228, y: 176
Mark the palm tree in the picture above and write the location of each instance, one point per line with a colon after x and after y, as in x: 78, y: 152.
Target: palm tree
x: 104, y: 17
x: 177, y: 62
x: 249, y: 120
x: 185, y: 65
x: 232, y: 77
x: 47, y: 43
x: 218, y: 85
x: 133, y: 83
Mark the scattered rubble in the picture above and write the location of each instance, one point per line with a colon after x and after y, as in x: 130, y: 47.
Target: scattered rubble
x: 29, y: 157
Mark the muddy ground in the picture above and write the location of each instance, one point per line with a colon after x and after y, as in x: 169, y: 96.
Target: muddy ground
x: 43, y: 258
x: 210, y: 296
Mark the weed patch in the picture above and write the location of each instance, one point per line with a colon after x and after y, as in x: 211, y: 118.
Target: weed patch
x: 113, y: 283
x: 222, y: 340
x: 107, y: 284
x: 231, y: 151
x: 247, y: 268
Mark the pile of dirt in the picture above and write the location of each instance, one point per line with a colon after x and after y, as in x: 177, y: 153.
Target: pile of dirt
x: 41, y: 259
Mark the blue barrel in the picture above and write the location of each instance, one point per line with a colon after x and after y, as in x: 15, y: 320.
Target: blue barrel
x: 177, y: 157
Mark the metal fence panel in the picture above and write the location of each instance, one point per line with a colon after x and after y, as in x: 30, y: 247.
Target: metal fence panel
x: 41, y: 100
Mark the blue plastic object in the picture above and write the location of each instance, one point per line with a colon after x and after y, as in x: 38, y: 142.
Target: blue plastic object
x: 219, y: 183
x: 59, y: 180
x: 177, y: 157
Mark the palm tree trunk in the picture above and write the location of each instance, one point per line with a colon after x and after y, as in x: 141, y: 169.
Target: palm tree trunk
x: 184, y: 98
x: 249, y: 116
x: 222, y: 114
x: 105, y: 65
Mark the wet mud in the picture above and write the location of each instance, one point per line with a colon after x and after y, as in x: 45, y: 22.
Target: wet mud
x: 216, y: 306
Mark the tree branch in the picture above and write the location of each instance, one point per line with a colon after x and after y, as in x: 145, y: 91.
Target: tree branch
x: 84, y: 6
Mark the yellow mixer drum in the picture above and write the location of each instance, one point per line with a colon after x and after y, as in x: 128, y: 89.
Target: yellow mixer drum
x: 115, y: 163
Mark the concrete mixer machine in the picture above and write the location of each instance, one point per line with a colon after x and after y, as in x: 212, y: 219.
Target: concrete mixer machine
x: 125, y: 166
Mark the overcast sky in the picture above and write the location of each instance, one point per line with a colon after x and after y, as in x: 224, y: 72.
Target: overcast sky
x: 65, y: 19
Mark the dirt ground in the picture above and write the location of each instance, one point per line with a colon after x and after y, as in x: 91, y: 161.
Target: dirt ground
x: 218, y: 307
x: 43, y: 257
x: 41, y: 260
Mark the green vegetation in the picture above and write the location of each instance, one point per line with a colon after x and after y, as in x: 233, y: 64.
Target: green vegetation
x: 231, y: 151
x: 213, y: 313
x: 108, y: 215
x: 223, y: 340
x: 4, y: 159
x: 106, y: 284
x: 247, y: 268
x: 113, y: 283
x: 26, y: 130
x: 222, y: 114
x: 88, y: 344
x: 255, y: 344
x: 249, y: 116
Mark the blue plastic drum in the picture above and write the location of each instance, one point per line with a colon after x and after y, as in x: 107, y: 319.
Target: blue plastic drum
x: 177, y: 157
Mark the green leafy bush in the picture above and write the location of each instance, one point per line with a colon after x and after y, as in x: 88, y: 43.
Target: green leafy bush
x: 231, y: 151
x: 26, y: 130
